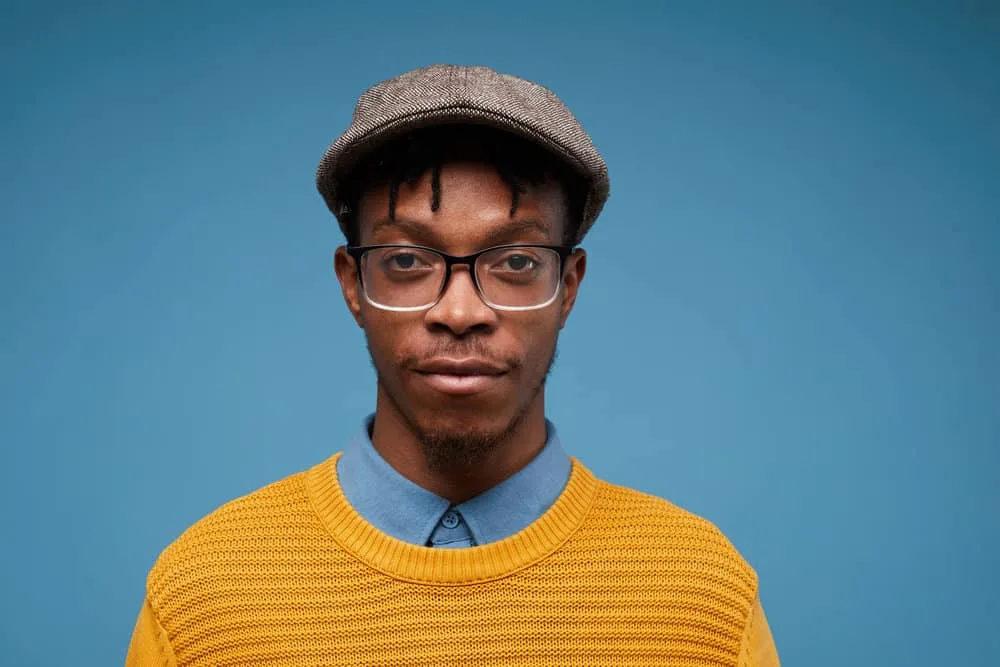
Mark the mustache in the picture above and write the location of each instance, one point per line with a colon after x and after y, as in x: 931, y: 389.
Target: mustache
x: 475, y: 348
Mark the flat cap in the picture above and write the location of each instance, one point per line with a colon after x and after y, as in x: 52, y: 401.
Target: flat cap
x: 452, y: 94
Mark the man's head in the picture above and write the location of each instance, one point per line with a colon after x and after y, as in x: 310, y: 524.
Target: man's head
x: 461, y: 348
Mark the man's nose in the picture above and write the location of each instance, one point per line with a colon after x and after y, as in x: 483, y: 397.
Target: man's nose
x: 460, y: 309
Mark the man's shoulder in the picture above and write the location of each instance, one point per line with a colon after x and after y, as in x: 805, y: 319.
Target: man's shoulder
x: 247, y: 527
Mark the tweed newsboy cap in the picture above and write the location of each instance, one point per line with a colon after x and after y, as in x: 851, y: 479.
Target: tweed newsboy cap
x: 452, y: 94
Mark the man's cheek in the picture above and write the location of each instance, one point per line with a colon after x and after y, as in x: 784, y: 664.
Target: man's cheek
x: 381, y: 352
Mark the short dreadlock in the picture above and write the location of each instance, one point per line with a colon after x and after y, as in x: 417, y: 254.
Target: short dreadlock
x: 405, y: 160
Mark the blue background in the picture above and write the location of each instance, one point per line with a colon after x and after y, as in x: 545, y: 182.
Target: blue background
x: 790, y: 322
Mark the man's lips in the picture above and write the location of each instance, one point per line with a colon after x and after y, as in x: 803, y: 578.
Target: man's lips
x: 467, y: 366
x: 460, y: 377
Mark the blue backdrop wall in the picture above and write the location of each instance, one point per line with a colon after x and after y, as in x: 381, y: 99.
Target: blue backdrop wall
x: 790, y: 323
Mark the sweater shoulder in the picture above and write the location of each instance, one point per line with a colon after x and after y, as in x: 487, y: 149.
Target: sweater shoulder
x: 241, y: 530
x: 656, y: 522
x: 626, y: 500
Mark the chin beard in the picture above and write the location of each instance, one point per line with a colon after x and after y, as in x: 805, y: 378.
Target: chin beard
x: 457, y: 449
x: 447, y: 450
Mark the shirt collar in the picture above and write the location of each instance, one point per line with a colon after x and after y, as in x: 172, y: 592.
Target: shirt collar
x: 404, y: 510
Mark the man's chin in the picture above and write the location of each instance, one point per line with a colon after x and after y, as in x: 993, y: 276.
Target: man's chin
x: 461, y: 441
x: 452, y: 425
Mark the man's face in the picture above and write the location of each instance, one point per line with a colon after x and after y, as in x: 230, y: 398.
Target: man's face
x: 459, y: 422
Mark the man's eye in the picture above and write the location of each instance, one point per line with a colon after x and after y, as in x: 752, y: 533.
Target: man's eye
x: 518, y: 263
x: 403, y: 261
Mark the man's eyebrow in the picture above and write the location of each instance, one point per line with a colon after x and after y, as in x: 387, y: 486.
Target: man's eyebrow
x: 413, y: 229
x: 516, y: 231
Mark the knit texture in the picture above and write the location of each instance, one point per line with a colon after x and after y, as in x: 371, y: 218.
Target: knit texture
x: 292, y: 575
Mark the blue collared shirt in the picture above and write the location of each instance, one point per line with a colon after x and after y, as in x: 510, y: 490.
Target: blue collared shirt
x: 409, y: 512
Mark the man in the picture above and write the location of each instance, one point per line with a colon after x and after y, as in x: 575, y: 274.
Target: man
x: 455, y: 529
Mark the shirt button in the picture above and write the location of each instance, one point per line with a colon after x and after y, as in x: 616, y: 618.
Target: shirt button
x: 450, y: 519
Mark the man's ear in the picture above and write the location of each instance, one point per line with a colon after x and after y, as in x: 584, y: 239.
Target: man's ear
x: 347, y: 274
x: 576, y: 267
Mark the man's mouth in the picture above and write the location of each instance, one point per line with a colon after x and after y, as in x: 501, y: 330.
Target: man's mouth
x: 460, y: 377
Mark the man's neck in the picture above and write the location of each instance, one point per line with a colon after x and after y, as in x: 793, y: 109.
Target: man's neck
x: 396, y: 442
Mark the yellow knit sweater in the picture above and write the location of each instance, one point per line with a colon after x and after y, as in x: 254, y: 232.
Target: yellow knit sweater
x: 292, y: 575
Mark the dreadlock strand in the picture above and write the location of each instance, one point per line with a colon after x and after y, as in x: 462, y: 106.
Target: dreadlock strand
x: 436, y: 187
x: 507, y: 174
x: 515, y: 193
x: 393, y: 196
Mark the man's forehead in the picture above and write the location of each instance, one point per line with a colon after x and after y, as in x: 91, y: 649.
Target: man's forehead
x: 430, y: 229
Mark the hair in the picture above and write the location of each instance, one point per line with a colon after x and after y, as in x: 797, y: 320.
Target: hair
x: 518, y: 161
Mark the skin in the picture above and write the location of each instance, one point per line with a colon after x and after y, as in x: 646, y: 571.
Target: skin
x: 460, y: 446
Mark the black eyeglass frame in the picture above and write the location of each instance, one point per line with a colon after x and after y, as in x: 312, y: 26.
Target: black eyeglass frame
x: 357, y: 252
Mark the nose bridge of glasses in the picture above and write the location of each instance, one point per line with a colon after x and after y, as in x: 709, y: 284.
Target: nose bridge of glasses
x: 465, y: 274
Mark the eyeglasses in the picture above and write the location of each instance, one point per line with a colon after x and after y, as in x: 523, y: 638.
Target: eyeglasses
x: 408, y: 278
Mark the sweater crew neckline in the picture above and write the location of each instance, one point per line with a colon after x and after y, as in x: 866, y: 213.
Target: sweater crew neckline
x: 427, y: 565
